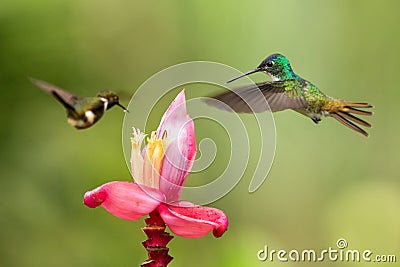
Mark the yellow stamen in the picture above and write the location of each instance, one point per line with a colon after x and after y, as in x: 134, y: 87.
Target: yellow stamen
x: 153, y: 161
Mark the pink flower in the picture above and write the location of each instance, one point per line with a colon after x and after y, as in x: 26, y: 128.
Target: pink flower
x: 160, y: 172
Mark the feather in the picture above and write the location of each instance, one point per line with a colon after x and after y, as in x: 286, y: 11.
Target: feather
x: 254, y: 98
x: 348, y: 116
x: 349, y: 124
x: 358, y: 105
x: 66, y: 98
x: 357, y: 111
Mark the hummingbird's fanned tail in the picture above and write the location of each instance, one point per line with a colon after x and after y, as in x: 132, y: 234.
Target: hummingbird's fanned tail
x: 342, y: 113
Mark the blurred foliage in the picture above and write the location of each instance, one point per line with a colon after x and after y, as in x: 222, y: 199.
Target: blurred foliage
x: 327, y: 182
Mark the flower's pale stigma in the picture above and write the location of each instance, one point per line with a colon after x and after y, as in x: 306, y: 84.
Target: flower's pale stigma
x: 136, y: 157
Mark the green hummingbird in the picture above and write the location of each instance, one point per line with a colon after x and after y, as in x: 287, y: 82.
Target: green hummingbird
x: 289, y: 91
x: 82, y: 112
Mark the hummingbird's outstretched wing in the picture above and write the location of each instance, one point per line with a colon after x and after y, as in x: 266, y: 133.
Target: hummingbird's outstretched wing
x: 280, y: 95
x: 66, y: 98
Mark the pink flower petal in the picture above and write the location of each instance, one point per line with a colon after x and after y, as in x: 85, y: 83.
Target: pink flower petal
x: 125, y: 200
x: 174, y: 118
x: 181, y: 148
x: 178, y: 161
x: 193, y: 221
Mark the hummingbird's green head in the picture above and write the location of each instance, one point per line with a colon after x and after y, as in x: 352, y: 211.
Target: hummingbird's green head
x: 276, y: 66
x: 111, y: 98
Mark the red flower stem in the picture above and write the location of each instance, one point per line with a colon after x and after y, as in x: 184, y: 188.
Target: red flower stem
x: 156, y: 244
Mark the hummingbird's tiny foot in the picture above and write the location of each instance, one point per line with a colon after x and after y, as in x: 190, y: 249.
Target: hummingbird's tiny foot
x: 316, y: 120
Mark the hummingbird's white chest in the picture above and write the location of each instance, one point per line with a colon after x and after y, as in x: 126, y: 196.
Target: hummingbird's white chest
x: 89, y: 119
x: 105, y: 101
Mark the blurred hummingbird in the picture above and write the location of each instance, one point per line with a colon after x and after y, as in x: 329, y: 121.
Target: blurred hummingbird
x: 289, y: 91
x: 82, y: 112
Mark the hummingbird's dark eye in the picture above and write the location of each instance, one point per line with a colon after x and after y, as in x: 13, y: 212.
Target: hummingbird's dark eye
x: 270, y: 64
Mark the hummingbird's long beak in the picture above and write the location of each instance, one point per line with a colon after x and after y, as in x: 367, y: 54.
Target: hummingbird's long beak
x: 244, y: 74
x: 121, y: 106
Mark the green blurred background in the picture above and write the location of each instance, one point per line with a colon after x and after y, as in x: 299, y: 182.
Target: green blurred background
x: 327, y: 182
